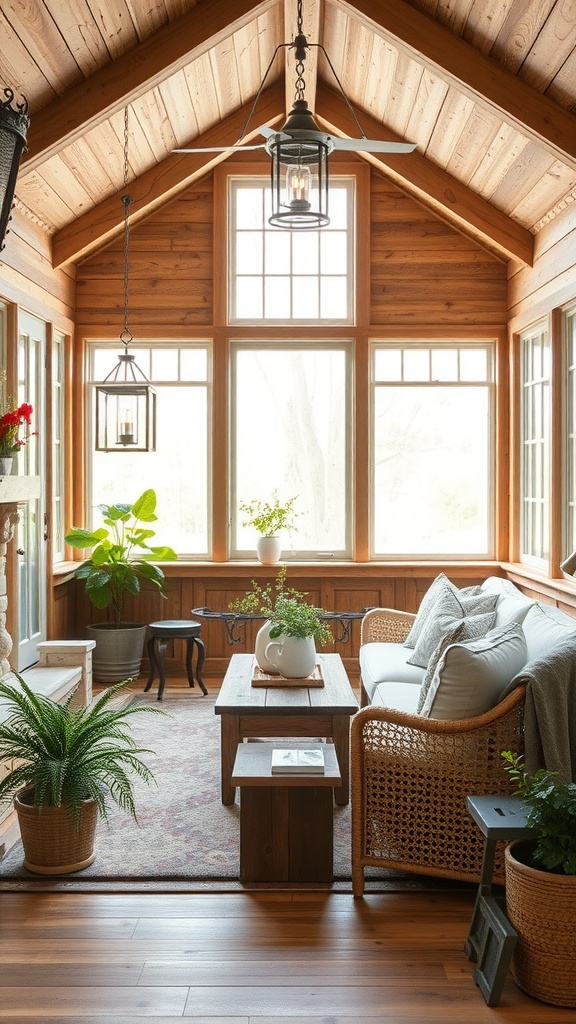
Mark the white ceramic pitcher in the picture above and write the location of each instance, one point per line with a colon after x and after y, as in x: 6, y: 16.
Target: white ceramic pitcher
x: 293, y: 656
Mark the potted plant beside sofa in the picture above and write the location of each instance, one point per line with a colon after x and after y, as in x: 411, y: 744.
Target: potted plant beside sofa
x: 68, y: 765
x: 122, y: 559
x: 541, y: 886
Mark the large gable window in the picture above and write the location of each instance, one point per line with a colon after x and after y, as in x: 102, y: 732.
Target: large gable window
x: 298, y: 276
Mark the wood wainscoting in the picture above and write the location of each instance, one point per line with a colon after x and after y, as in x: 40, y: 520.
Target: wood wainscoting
x: 334, y: 586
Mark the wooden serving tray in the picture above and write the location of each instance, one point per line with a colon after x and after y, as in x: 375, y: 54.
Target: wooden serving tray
x: 260, y: 678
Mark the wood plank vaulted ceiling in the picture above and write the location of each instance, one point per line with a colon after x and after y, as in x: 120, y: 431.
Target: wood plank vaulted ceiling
x: 485, y: 88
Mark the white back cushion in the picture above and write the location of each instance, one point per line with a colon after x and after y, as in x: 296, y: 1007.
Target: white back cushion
x: 545, y: 626
x: 470, y: 676
x: 512, y: 604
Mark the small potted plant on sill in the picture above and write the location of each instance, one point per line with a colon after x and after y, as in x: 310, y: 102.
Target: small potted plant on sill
x: 269, y: 518
x: 68, y: 765
x: 122, y: 560
x: 541, y: 886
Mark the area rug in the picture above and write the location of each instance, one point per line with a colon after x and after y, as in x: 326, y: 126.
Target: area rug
x: 184, y: 833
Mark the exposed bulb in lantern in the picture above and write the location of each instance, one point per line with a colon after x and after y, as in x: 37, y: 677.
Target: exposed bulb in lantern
x: 298, y: 182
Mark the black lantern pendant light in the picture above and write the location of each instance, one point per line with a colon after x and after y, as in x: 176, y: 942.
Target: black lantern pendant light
x: 299, y: 170
x: 13, y: 127
x: 126, y: 401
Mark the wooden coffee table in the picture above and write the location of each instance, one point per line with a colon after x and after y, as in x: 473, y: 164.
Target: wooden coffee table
x: 247, y: 711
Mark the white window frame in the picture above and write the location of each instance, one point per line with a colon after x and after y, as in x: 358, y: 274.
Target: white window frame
x: 461, y: 345
x: 239, y: 182
x: 569, y: 430
x: 535, y: 442
x: 58, y: 445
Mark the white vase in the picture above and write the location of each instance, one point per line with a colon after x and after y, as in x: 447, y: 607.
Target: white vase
x: 268, y: 550
x: 6, y: 465
x: 292, y: 656
x: 260, y: 644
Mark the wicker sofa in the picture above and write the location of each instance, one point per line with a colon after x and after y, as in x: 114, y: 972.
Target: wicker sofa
x: 411, y: 772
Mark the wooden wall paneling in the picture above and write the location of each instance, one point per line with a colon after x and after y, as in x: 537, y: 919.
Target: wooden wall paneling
x: 425, y: 272
x: 534, y: 291
x: 27, y: 277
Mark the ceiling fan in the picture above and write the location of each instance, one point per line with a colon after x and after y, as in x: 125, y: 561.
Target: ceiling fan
x: 300, y: 149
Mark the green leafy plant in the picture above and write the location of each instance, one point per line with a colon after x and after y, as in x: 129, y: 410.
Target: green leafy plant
x: 294, y: 617
x: 270, y: 517
x: 552, y: 809
x: 262, y: 600
x: 114, y: 569
x: 65, y: 755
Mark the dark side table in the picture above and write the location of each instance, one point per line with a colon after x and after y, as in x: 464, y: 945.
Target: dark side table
x: 491, y: 939
x: 160, y: 634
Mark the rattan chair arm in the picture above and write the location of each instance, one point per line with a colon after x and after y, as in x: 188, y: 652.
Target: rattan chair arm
x: 385, y: 625
x: 432, y: 725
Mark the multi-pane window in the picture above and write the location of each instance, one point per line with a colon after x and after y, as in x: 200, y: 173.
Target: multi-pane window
x: 570, y: 447
x: 58, y: 446
x: 278, y: 276
x: 535, y: 443
x: 179, y: 469
x: 432, y: 449
x: 291, y: 431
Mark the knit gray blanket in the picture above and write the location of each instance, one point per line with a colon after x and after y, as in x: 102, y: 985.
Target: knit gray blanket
x: 550, y: 712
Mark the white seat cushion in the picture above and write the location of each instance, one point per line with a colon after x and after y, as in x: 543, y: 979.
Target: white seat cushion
x: 386, y: 662
x: 399, y: 696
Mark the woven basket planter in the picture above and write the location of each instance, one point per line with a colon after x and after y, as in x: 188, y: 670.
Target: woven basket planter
x: 53, y: 844
x: 542, y: 908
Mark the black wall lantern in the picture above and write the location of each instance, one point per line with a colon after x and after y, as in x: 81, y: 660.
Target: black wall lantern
x: 14, y: 124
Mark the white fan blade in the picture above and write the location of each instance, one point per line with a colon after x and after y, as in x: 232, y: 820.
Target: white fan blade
x: 268, y: 132
x: 216, y: 149
x: 372, y: 145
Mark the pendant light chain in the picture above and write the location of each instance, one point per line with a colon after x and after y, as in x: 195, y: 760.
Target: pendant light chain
x: 126, y: 337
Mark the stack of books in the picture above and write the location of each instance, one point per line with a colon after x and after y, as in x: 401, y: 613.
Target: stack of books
x: 301, y: 762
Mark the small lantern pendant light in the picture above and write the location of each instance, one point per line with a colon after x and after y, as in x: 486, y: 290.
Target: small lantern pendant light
x: 299, y: 165
x: 126, y: 401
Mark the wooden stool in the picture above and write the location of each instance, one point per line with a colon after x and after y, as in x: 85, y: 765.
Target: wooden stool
x: 286, y: 821
x: 160, y: 635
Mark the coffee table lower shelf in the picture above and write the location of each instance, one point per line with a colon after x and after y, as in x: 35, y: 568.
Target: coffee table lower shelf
x: 286, y: 821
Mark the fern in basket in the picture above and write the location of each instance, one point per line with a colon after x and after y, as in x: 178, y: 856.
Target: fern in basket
x: 67, y: 755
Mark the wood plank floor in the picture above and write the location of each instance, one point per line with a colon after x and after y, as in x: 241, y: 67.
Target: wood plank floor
x: 246, y: 958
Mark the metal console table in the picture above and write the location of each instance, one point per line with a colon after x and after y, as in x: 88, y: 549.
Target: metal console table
x: 235, y: 622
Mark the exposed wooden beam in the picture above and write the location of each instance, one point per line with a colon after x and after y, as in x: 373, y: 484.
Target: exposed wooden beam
x: 167, y: 51
x: 478, y: 75
x: 159, y: 184
x: 430, y: 184
x: 311, y: 22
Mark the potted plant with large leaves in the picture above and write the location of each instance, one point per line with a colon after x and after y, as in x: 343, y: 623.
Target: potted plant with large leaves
x: 121, y: 563
x: 541, y: 886
x: 68, y: 765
